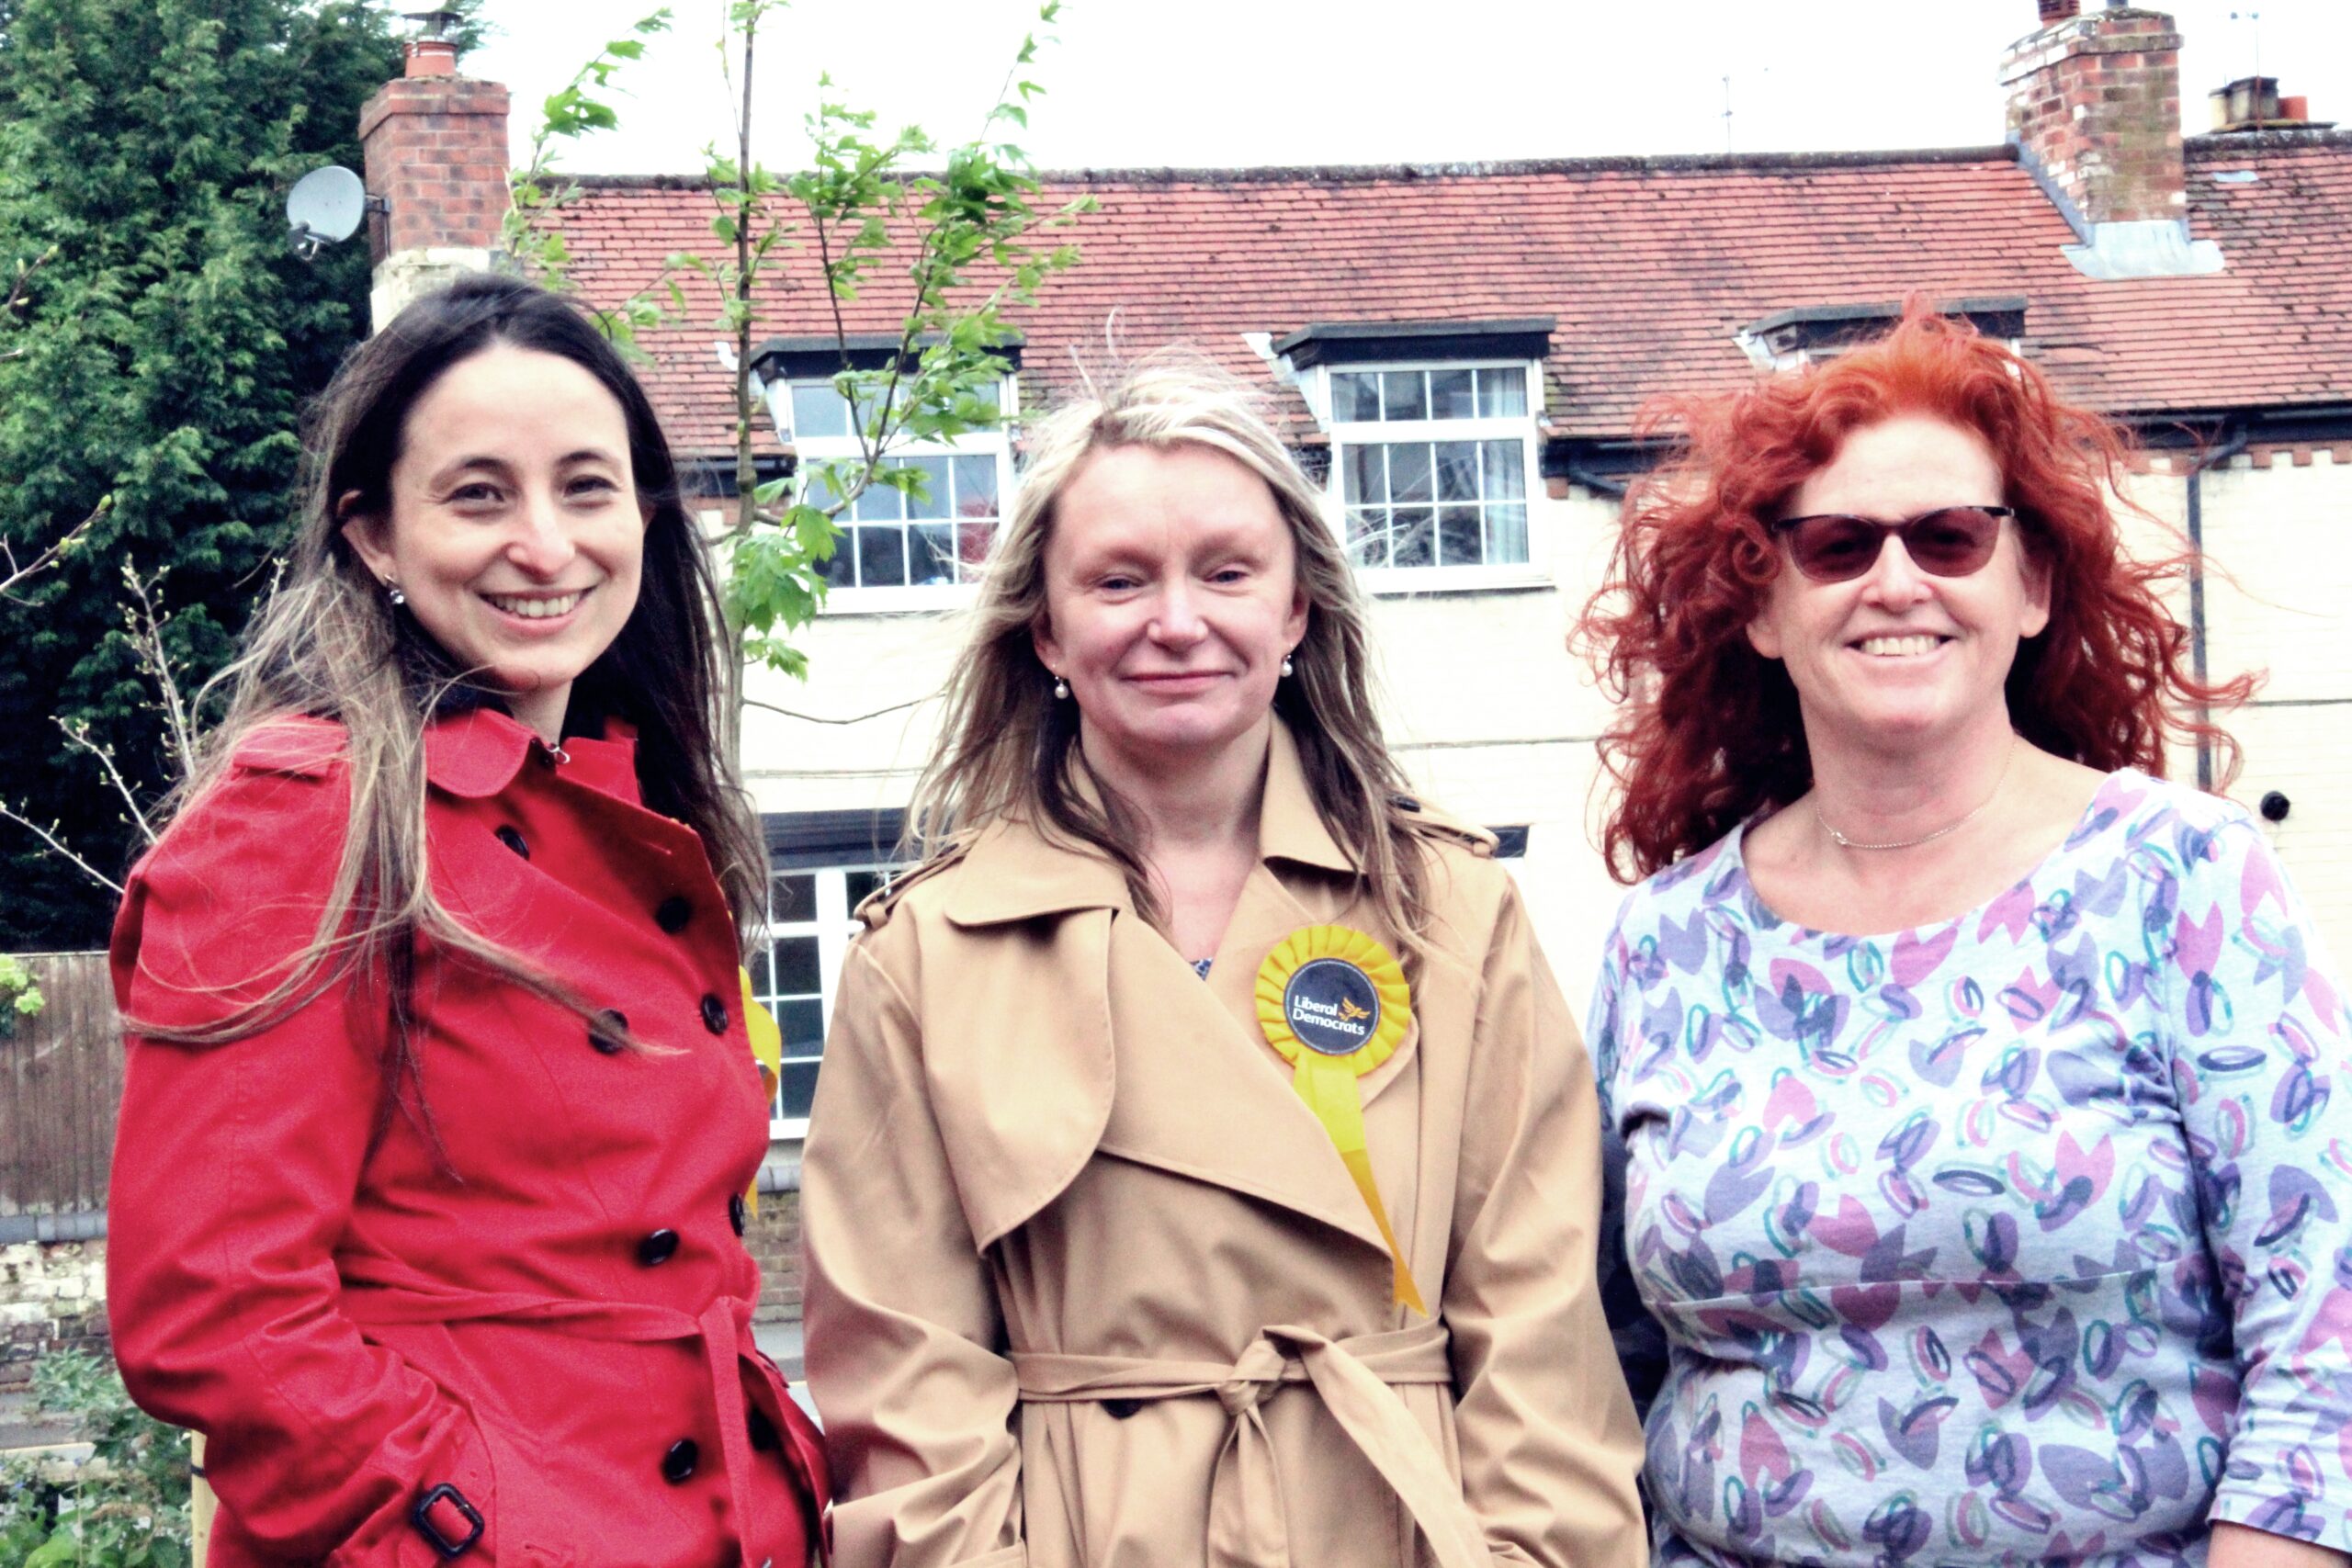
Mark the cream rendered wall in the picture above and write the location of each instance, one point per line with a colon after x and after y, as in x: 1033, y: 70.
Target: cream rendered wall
x: 1496, y: 720
x: 2283, y: 535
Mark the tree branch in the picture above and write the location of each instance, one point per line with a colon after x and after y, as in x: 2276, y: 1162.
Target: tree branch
x: 147, y: 644
x: 58, y: 845
x: 49, y: 557
x: 79, y: 738
x: 858, y: 718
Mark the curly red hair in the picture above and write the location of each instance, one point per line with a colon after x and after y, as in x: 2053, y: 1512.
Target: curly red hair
x: 1707, y: 731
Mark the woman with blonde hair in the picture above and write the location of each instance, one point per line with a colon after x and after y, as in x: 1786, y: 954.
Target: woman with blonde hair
x: 438, y: 1110
x: 1205, y: 1168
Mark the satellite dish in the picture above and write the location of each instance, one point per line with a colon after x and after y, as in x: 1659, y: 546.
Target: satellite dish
x: 325, y: 207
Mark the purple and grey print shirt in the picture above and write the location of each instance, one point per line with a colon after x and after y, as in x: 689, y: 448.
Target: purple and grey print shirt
x: 2026, y: 1237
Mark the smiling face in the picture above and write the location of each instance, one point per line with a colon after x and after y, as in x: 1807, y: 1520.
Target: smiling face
x: 1897, y: 657
x: 514, y: 527
x: 1172, y: 597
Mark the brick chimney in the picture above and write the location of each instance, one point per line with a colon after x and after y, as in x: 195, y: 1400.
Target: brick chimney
x: 2094, y: 114
x: 435, y: 146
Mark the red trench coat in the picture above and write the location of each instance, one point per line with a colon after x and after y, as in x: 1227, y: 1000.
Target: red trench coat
x: 540, y: 1338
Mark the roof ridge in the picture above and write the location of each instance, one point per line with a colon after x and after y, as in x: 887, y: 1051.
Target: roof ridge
x: 1352, y: 174
x: 2226, y: 144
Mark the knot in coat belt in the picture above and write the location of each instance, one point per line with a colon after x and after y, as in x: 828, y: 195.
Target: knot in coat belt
x: 1354, y: 1378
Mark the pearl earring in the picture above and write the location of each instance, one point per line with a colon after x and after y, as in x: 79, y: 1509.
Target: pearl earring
x: 392, y: 592
x: 1061, y: 689
x: 1286, y: 669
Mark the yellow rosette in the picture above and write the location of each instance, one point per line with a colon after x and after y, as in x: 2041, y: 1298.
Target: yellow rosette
x: 767, y: 1049
x: 1334, y: 1002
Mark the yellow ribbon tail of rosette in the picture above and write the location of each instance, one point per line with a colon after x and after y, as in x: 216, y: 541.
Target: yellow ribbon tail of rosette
x: 1334, y: 1002
x: 1331, y: 1092
x: 767, y: 1052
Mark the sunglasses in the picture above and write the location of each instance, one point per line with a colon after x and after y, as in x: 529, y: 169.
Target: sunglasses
x: 1951, y: 541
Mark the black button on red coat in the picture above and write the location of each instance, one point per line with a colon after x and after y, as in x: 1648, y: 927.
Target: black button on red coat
x: 608, y: 1031
x: 713, y: 1013
x: 736, y: 1211
x: 512, y: 837
x: 680, y: 1461
x: 657, y: 1248
x: 672, y: 913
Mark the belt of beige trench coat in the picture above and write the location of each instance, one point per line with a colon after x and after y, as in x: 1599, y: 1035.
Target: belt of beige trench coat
x: 1353, y: 1378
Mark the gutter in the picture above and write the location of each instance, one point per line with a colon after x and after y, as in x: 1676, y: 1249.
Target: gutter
x: 2234, y: 442
x: 1600, y: 484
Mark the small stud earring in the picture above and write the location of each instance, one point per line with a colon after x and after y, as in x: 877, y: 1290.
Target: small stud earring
x: 1286, y: 669
x: 1061, y: 689
x: 392, y: 592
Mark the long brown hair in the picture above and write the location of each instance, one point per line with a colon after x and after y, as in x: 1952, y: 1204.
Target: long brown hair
x: 1709, y: 733
x: 329, y: 643
x: 1007, y: 749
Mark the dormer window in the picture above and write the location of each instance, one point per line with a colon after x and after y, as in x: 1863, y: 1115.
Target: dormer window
x: 1434, y: 437
x: 1809, y: 334
x: 1432, y: 464
x: 890, y: 538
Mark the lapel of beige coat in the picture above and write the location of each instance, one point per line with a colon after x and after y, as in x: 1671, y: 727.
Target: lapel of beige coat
x: 1192, y: 1086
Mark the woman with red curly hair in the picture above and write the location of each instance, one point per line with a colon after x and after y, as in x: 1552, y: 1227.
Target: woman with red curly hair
x: 1971, y: 1078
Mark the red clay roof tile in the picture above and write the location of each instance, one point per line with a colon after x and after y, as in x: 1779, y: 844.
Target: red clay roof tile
x: 1648, y: 266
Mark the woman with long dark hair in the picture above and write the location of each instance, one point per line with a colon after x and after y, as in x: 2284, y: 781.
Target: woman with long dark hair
x: 1973, y: 1078
x: 439, y: 1108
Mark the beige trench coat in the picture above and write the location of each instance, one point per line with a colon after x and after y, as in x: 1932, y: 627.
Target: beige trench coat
x: 1088, y: 1283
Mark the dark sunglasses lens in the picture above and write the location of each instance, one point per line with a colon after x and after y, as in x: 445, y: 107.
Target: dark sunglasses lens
x: 1832, y: 549
x: 1953, y: 542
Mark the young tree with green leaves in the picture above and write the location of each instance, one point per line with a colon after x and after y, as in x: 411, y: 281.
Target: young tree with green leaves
x: 961, y: 246
x: 967, y: 244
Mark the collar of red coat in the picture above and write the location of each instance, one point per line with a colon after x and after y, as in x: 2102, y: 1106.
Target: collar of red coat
x: 1013, y: 873
x: 472, y: 755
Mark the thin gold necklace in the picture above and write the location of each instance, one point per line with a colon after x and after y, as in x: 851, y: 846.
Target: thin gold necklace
x: 1844, y: 842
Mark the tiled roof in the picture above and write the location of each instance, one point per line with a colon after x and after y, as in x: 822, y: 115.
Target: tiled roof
x: 1648, y: 265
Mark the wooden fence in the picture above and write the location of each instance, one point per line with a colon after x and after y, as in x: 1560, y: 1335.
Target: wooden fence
x: 61, y: 1075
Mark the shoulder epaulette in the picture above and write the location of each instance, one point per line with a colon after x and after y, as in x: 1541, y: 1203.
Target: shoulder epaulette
x: 296, y: 744
x: 1436, y: 824
x: 874, y: 909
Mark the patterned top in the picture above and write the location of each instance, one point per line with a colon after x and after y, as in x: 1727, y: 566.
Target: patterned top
x: 2025, y: 1237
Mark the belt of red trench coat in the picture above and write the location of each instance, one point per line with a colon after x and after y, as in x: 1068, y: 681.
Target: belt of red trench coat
x: 719, y: 1330
x: 1353, y: 1377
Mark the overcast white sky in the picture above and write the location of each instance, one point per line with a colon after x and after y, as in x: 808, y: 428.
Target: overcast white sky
x: 1207, y: 83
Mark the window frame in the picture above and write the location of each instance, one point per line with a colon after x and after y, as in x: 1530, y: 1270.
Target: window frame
x: 1315, y: 383
x: 832, y: 924
x: 905, y: 598
x: 830, y: 847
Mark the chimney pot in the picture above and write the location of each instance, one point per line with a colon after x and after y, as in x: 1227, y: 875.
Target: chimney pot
x: 432, y: 57
x: 2054, y: 11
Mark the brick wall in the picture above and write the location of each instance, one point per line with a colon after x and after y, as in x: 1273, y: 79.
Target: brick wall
x: 2095, y: 101
x: 435, y: 148
x: 774, y: 1237
x: 437, y: 153
x: 52, y: 1297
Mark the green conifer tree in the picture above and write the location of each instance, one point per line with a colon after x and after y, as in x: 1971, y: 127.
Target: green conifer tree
x: 160, y: 354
